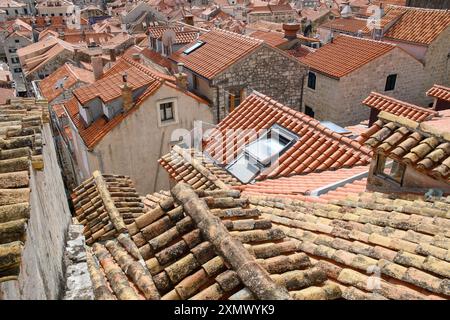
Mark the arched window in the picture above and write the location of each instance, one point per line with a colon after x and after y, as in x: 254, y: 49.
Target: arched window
x: 312, y: 80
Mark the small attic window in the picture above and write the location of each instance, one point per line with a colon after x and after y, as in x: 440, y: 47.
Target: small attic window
x: 260, y: 153
x: 194, y: 47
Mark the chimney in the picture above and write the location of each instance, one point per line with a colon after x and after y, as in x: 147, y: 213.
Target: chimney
x: 381, y: 10
x: 181, y: 77
x: 189, y: 19
x: 112, y: 55
x: 290, y: 30
x: 97, y: 66
x: 136, y: 57
x: 127, y: 93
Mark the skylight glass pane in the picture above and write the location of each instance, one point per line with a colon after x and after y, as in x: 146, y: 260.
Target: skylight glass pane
x: 334, y: 127
x: 265, y: 149
x: 194, y: 47
x: 243, y: 169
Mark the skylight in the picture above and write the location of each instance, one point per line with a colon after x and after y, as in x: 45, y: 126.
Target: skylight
x: 261, y: 153
x: 194, y: 47
x: 334, y: 127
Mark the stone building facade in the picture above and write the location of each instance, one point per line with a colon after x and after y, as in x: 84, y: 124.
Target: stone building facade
x: 266, y: 70
x: 340, y: 99
x: 436, y: 64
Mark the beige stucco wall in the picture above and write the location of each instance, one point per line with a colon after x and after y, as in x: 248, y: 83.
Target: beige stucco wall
x: 134, y: 146
x: 340, y: 100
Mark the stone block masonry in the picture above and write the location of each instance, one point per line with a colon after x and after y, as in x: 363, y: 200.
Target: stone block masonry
x: 78, y: 280
x: 268, y: 71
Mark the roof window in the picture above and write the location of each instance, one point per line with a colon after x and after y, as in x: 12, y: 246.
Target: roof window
x: 194, y: 47
x: 334, y: 127
x: 261, y: 153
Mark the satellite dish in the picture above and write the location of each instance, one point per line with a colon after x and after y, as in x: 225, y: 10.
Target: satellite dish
x: 168, y: 37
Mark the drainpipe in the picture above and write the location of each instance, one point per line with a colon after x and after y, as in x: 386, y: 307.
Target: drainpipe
x: 217, y: 104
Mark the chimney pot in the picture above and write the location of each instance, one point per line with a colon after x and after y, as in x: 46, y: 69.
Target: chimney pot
x: 127, y: 94
x: 290, y: 30
x: 189, y: 19
x: 181, y: 80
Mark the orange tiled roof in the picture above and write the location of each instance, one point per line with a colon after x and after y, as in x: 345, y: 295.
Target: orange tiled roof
x: 345, y: 25
x: 300, y: 51
x: 67, y: 75
x: 399, y: 108
x: 81, y: 36
x: 221, y: 50
x: 440, y: 92
x: 405, y: 239
x: 418, y: 25
x: 108, y: 87
x: 59, y: 110
x: 301, y: 186
x: 424, y: 146
x: 345, y: 55
x: 92, y: 134
x: 157, y: 58
x: 183, y: 35
x: 317, y: 149
x: 272, y: 38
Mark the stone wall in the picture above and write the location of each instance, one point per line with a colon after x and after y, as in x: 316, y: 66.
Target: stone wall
x: 78, y: 281
x: 42, y: 272
x: 340, y: 101
x: 437, y: 64
x: 266, y: 70
x: 432, y: 4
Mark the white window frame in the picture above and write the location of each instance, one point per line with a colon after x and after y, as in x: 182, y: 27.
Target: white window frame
x: 174, y: 102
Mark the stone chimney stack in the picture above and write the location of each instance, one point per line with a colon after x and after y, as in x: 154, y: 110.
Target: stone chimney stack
x: 127, y: 93
x: 189, y: 19
x: 290, y: 30
x: 181, y: 78
x: 97, y: 66
x: 112, y: 55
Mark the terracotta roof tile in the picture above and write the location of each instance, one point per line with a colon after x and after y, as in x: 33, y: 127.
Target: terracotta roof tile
x: 258, y: 112
x: 439, y: 92
x: 422, y: 146
x: 63, y: 79
x: 21, y: 125
x: 345, y: 54
x: 221, y: 50
x: 108, y: 87
x: 405, y: 238
x: 272, y: 38
x: 399, y: 108
x: 192, y: 167
x: 183, y: 35
x: 351, y: 25
x: 418, y: 25
x: 302, y: 186
x: 167, y: 253
x: 157, y: 58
